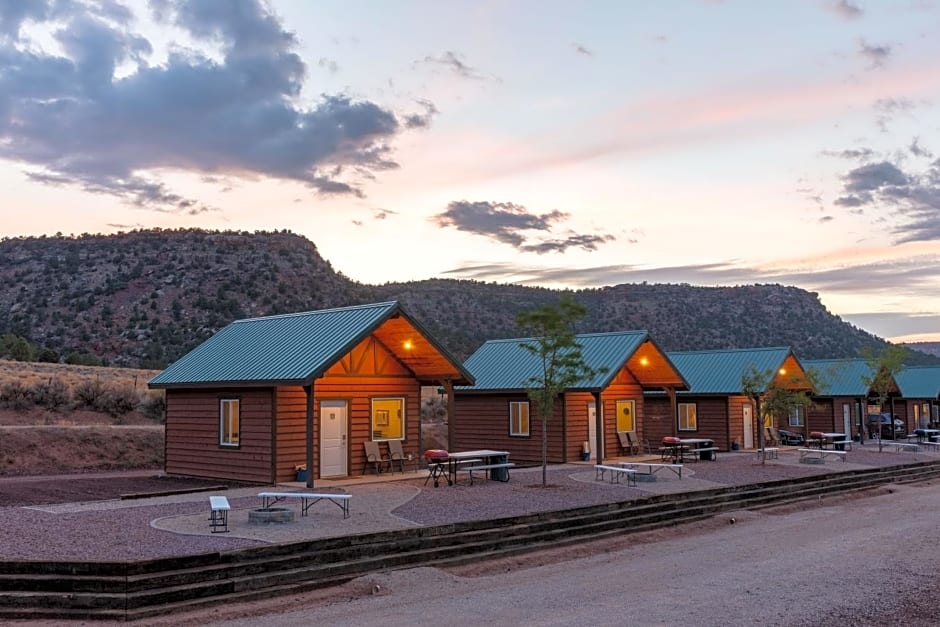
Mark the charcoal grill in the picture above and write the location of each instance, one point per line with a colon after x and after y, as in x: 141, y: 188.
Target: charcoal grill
x: 438, y: 461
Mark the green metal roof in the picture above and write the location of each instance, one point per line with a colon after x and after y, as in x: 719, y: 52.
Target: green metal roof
x: 919, y: 382
x: 290, y: 349
x: 505, y: 365
x: 840, y: 377
x: 719, y: 371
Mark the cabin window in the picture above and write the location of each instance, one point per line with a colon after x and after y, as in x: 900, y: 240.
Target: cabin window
x: 626, y: 416
x: 796, y: 416
x: 229, y: 422
x: 388, y: 419
x: 519, y: 418
x: 688, y: 418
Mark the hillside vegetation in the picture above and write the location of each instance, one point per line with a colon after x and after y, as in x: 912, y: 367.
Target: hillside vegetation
x: 145, y: 298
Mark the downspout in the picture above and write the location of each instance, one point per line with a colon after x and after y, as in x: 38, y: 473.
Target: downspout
x: 308, y: 390
x: 860, y: 420
x: 451, y: 415
x: 674, y: 404
x: 564, y: 428
x: 598, y: 427
x: 274, y: 400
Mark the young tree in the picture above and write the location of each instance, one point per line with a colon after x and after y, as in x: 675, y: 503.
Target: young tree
x: 771, y: 399
x: 561, y: 362
x: 884, y: 367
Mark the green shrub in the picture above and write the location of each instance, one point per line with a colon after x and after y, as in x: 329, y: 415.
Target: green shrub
x: 117, y: 400
x: 53, y: 394
x: 88, y: 393
x: 153, y: 405
x: 15, y: 395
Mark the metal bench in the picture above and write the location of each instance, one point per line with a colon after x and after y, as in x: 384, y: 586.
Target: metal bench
x: 616, y: 474
x: 218, y: 514
x: 820, y: 454
x: 504, y: 465
x: 307, y: 500
x: 651, y: 468
x: 767, y: 453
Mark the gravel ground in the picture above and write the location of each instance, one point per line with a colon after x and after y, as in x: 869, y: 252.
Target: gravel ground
x: 114, y: 530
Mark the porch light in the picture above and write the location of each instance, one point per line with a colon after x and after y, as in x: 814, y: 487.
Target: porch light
x: 644, y: 361
x: 783, y: 371
x: 408, y: 345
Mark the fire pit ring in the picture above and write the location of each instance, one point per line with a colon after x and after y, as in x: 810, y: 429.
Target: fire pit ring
x: 268, y: 515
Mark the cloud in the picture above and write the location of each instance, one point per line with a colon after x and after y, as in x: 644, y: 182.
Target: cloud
x: 908, y: 276
x: 919, y: 151
x: 512, y: 224
x: 911, y: 197
x: 421, y: 120
x: 329, y: 65
x: 75, y: 122
x: 887, y: 108
x: 581, y: 50
x: 452, y: 61
x: 859, y: 154
x: 584, y: 242
x: 502, y: 221
x: 845, y: 9
x: 875, y: 55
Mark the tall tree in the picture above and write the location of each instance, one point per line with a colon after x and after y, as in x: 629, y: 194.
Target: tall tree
x: 884, y: 366
x: 561, y: 363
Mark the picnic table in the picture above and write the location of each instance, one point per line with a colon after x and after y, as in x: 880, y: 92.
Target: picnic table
x: 496, y: 463
x: 698, y: 448
x: 927, y: 435
x: 826, y: 439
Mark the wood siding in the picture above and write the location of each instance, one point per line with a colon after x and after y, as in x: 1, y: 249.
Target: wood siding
x: 820, y: 416
x: 712, y: 419
x: 273, y: 422
x: 192, y: 435
x: 658, y: 419
x: 482, y: 422
x: 623, y: 388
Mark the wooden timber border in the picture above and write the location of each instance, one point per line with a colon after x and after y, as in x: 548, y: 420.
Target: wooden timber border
x: 138, y: 589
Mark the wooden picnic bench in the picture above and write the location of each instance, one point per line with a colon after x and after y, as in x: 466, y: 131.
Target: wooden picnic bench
x: 820, y: 453
x: 218, y: 514
x: 307, y: 500
x: 768, y: 453
x: 652, y: 468
x: 485, y: 467
x: 616, y: 474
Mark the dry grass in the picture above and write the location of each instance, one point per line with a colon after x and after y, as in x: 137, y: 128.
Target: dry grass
x: 31, y: 373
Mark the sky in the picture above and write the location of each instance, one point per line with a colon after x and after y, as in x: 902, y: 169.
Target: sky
x: 559, y: 144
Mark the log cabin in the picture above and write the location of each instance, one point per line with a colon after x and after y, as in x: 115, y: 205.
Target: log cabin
x: 264, y: 397
x: 495, y: 412
x: 713, y: 406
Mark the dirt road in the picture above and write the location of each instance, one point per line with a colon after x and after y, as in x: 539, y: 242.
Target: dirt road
x: 837, y: 563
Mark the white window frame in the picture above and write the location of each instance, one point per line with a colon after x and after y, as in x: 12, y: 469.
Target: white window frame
x: 226, y: 431
x: 517, y: 416
x: 683, y: 417
x: 372, y: 412
x: 797, y: 416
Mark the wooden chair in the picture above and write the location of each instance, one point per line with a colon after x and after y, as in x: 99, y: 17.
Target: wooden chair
x: 396, y: 454
x: 374, y: 458
x: 627, y: 444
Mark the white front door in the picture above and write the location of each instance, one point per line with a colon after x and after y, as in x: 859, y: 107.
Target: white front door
x: 333, y: 441
x: 847, y: 420
x: 748, y: 423
x: 592, y: 430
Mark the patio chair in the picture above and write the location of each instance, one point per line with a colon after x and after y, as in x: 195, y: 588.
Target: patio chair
x: 771, y: 436
x: 374, y: 458
x: 396, y: 454
x: 627, y: 444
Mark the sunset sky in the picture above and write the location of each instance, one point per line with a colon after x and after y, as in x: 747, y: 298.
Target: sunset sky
x: 562, y: 144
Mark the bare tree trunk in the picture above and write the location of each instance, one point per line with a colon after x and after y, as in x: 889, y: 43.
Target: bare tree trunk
x: 544, y: 450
